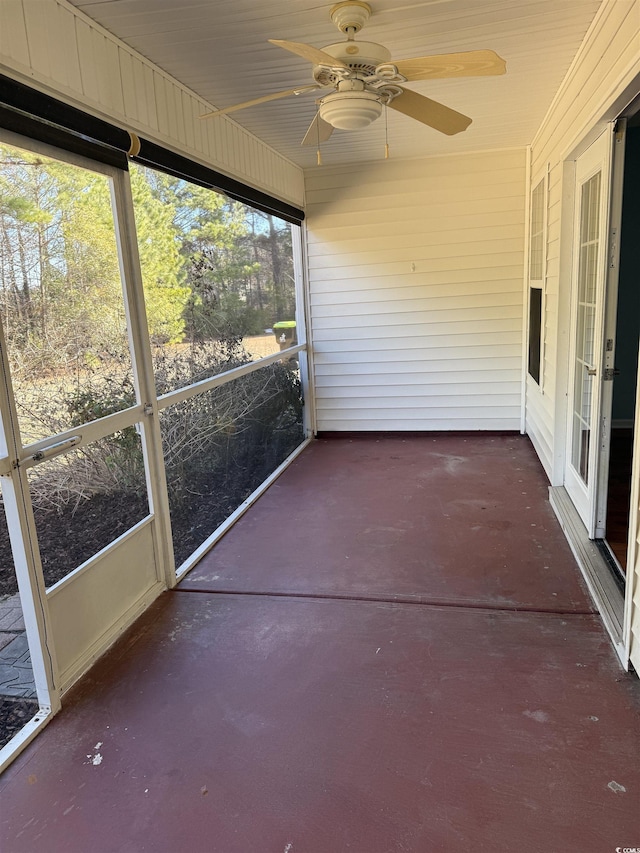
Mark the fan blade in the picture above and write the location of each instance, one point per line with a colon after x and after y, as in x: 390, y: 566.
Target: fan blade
x: 318, y: 57
x: 430, y: 112
x: 472, y: 63
x: 319, y: 131
x: 300, y: 90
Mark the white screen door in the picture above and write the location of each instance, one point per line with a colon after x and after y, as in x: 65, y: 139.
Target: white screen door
x: 79, y: 471
x: 589, y: 272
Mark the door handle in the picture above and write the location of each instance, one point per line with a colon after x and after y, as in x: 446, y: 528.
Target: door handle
x: 55, y: 449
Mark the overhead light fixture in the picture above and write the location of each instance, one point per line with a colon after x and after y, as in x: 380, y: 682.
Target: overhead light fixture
x: 351, y: 107
x: 350, y: 110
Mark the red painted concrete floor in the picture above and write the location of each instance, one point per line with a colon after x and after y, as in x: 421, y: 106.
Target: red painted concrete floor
x: 294, y: 714
x: 441, y: 520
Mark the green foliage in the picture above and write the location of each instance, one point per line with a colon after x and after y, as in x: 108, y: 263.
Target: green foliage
x: 61, y: 292
x: 20, y: 209
x: 237, y: 262
x: 89, y: 403
x: 211, y: 268
x: 161, y: 263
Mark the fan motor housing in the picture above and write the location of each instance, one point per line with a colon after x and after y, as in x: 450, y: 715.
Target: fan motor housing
x: 362, y: 56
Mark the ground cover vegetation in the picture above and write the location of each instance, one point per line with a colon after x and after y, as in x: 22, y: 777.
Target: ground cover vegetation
x: 214, y: 272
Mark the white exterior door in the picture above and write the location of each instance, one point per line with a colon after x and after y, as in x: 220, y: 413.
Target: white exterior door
x: 586, y: 360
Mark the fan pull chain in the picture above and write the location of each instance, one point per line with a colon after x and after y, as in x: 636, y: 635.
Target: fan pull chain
x: 386, y: 134
x: 318, y: 154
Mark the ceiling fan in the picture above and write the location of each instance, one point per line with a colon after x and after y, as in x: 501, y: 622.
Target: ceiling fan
x: 365, y: 79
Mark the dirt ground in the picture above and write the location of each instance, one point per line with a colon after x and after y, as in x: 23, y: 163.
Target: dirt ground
x: 14, y: 714
x: 261, y: 346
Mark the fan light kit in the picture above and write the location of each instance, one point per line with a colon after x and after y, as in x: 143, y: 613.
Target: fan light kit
x: 365, y: 79
x: 351, y: 107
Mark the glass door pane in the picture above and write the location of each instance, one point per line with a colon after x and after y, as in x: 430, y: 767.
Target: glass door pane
x: 584, y: 368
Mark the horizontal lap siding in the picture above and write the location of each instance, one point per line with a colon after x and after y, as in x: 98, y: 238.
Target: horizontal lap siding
x: 415, y: 278
x: 55, y: 47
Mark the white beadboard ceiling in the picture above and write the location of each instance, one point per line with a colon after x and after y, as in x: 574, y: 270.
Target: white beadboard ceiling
x: 219, y: 49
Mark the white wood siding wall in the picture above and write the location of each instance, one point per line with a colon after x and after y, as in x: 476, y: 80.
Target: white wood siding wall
x: 595, y: 88
x: 53, y: 46
x: 415, y: 278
